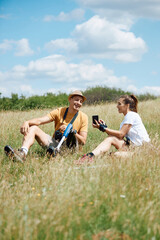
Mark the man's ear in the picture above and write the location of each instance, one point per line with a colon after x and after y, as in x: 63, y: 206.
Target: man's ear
x: 70, y: 99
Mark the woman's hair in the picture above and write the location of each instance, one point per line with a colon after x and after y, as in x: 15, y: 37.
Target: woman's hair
x: 131, y: 100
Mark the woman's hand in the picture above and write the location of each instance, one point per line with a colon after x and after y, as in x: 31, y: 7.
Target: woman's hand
x: 98, y: 123
x: 95, y: 125
x: 102, y: 122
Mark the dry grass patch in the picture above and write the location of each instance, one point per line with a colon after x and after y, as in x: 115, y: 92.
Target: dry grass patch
x: 53, y: 199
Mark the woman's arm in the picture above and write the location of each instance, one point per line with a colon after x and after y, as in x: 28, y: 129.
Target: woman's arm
x: 117, y: 133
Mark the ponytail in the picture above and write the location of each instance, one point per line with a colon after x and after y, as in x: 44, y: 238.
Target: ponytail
x: 134, y: 106
x: 131, y: 100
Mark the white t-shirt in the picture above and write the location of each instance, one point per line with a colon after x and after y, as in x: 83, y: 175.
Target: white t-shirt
x: 137, y: 133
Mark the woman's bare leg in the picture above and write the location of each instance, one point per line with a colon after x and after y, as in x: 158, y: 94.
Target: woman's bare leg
x: 107, y: 143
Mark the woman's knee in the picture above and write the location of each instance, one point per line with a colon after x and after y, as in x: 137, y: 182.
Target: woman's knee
x: 114, y: 141
x: 109, y: 139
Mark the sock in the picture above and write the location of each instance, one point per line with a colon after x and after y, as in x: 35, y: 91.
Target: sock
x: 25, y: 150
x: 90, y: 154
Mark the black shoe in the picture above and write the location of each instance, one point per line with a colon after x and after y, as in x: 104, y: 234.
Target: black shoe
x: 9, y: 151
x: 51, y: 151
x: 17, y: 155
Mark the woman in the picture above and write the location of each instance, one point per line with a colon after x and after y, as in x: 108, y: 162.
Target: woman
x: 132, y: 130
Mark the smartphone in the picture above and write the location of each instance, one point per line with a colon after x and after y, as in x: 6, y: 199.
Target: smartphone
x: 95, y: 117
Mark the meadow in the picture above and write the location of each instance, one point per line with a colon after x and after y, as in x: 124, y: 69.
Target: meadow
x: 52, y: 199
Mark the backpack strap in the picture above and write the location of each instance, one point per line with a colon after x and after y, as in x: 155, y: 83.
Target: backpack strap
x: 73, y: 119
x: 65, y: 114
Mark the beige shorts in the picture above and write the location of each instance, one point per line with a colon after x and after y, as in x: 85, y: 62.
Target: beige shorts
x: 51, y: 142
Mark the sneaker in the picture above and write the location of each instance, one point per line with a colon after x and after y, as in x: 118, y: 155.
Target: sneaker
x: 9, y: 151
x: 18, y: 155
x: 86, y: 158
x: 51, y: 152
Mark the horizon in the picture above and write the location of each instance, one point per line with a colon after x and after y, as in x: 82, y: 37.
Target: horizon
x: 59, y: 93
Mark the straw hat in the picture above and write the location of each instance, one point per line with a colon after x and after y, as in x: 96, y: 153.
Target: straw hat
x: 77, y: 93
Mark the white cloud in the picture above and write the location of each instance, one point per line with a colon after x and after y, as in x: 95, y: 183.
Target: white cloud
x: 6, y: 45
x: 20, y: 47
x: 154, y: 73
x: 65, y: 76
x: 153, y: 90
x: 4, y: 16
x: 123, y: 9
x: 77, y: 14
x: 23, y: 48
x: 132, y: 89
x: 3, y: 91
x: 26, y: 89
x: 100, y: 38
x: 68, y: 45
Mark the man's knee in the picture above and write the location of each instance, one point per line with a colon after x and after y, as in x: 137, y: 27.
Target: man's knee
x: 33, y: 130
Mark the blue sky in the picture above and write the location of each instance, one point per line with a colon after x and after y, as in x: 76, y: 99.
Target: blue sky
x: 59, y: 46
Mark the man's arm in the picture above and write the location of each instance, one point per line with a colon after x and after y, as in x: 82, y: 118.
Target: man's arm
x: 34, y: 122
x: 82, y: 134
x: 82, y: 137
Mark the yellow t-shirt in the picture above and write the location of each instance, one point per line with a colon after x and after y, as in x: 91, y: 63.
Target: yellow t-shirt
x: 80, y: 124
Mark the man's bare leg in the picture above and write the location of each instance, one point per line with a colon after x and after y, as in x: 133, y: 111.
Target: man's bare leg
x: 34, y: 133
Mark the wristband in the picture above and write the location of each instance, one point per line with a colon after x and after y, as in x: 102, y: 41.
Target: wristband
x: 102, y: 127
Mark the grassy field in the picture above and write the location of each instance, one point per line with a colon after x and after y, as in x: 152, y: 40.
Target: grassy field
x: 53, y: 199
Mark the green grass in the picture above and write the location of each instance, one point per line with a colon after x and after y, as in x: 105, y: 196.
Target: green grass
x: 53, y: 199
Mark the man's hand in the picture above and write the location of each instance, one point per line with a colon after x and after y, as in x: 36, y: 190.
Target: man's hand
x: 62, y: 128
x: 24, y: 129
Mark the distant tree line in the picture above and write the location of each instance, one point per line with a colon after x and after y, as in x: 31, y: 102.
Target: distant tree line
x: 104, y: 94
x: 94, y: 95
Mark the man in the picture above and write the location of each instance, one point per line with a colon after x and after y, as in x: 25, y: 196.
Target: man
x: 61, y: 117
